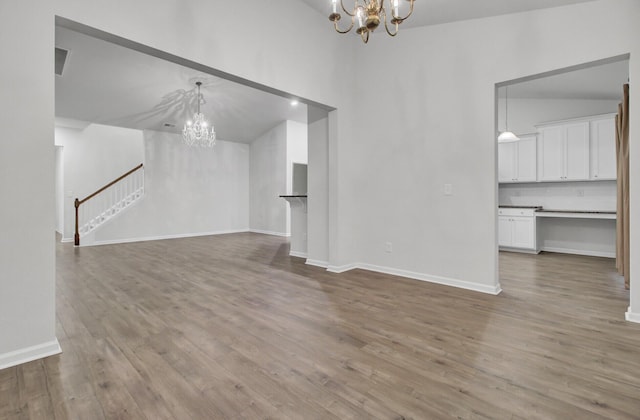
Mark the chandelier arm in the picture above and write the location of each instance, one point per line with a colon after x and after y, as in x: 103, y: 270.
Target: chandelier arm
x: 345, y: 9
x: 386, y: 26
x: 365, y: 36
x: 406, y: 17
x: 335, y: 25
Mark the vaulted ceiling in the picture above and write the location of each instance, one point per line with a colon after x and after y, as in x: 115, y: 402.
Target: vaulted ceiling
x: 433, y: 12
x: 109, y: 84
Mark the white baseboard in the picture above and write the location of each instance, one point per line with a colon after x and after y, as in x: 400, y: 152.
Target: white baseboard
x: 298, y: 254
x: 29, y: 354
x: 632, y: 316
x: 579, y: 252
x: 162, y: 237
x: 317, y: 263
x: 268, y: 232
x: 341, y: 268
x: 492, y: 290
x: 66, y: 240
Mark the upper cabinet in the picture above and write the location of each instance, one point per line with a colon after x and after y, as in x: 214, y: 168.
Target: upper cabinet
x: 563, y: 151
x: 603, y: 148
x: 517, y: 160
x: 579, y: 149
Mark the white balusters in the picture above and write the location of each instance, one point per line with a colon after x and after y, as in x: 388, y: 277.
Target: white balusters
x: 111, y: 201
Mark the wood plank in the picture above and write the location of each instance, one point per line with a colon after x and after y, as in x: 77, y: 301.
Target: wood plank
x: 232, y: 327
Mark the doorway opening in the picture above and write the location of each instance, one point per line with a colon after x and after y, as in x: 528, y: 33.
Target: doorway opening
x: 557, y: 188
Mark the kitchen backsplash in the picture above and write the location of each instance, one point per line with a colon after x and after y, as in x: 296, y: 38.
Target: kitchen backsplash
x: 593, y: 195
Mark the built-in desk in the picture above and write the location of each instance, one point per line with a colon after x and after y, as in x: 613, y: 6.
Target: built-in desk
x: 298, y: 243
x: 535, y: 229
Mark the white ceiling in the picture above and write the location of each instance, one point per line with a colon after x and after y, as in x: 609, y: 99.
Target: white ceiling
x: 601, y: 82
x: 433, y: 12
x: 109, y: 84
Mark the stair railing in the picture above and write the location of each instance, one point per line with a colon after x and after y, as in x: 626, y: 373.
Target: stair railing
x: 108, y: 201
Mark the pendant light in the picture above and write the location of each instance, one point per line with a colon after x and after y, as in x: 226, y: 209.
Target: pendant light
x: 507, y: 136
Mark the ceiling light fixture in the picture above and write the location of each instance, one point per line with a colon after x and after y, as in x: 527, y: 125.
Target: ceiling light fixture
x: 507, y: 136
x: 366, y: 15
x: 196, y: 132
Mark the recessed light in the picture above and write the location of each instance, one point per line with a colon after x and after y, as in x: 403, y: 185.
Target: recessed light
x: 294, y: 102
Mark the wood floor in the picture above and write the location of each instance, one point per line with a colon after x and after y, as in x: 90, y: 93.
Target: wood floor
x: 231, y: 327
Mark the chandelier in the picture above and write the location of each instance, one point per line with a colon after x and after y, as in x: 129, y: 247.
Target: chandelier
x: 196, y: 132
x: 366, y: 16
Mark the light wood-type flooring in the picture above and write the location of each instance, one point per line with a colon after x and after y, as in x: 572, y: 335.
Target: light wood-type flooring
x: 231, y: 327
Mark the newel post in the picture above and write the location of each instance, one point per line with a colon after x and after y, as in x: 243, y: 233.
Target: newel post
x: 76, y: 237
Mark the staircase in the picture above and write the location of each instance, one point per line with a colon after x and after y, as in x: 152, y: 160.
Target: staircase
x: 98, y: 208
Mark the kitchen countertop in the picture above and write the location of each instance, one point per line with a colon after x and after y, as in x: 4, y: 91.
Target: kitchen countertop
x: 520, y: 207
x: 577, y: 211
x: 564, y: 213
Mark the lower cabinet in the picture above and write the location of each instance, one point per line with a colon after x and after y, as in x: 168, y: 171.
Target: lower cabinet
x: 517, y: 229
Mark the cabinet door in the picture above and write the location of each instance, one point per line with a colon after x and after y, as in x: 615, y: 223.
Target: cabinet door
x: 551, y: 155
x: 526, y: 159
x: 603, y: 149
x: 505, y: 233
x: 577, y: 151
x: 523, y: 232
x: 507, y: 162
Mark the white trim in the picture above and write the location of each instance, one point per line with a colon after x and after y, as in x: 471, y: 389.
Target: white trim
x: 492, y: 290
x: 268, y: 232
x: 632, y: 316
x: 341, y: 268
x: 317, y: 263
x: 162, y: 237
x: 66, y: 240
x: 29, y: 354
x: 298, y: 254
x: 579, y: 252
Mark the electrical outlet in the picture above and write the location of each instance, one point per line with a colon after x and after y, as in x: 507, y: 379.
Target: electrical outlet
x: 448, y: 189
x: 388, y: 247
x: 580, y: 192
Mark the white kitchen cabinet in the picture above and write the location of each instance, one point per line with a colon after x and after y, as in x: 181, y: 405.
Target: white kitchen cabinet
x: 603, y: 148
x: 517, y: 229
x: 563, y: 151
x: 517, y: 160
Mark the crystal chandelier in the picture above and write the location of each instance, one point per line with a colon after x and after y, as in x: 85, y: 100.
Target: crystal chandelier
x: 196, y: 132
x: 366, y: 15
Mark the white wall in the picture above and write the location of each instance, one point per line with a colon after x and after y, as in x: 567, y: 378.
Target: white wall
x: 27, y: 264
x: 93, y: 157
x: 60, y: 190
x: 271, y: 174
x: 188, y: 191
x: 431, y: 122
x: 297, y: 149
x: 268, y: 180
x: 524, y: 114
x: 318, y: 193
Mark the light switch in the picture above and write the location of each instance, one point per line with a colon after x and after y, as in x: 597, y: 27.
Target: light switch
x: 448, y: 189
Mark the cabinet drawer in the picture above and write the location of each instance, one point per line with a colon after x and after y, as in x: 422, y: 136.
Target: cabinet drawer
x: 516, y: 212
